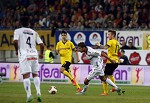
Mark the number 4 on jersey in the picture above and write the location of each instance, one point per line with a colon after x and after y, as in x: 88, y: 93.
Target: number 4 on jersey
x: 28, y: 42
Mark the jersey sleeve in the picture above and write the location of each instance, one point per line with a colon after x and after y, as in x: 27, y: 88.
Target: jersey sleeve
x: 109, y: 43
x: 72, y: 45
x: 16, y: 35
x: 93, y: 52
x: 38, y: 39
x: 57, y: 46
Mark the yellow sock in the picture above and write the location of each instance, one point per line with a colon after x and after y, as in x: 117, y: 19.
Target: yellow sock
x: 105, y: 87
x: 67, y: 74
x: 111, y: 77
x: 77, y: 85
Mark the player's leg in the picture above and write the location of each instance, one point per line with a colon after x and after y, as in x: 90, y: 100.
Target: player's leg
x: 86, y: 85
x: 107, y: 80
x: 111, y: 77
x: 74, y: 82
x: 64, y: 69
x: 25, y: 71
x: 35, y: 69
x: 104, y: 84
x: 91, y: 75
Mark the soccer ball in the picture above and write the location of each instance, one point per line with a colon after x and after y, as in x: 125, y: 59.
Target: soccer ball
x: 52, y: 90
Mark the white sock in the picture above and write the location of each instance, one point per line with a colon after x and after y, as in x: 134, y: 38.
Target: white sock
x: 27, y: 85
x: 85, y: 88
x: 111, y: 83
x: 37, y: 85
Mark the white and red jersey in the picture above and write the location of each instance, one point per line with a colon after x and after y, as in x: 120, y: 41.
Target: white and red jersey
x: 94, y: 57
x: 27, y: 39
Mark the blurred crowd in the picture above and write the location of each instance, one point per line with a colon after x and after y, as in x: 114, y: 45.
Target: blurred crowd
x: 78, y: 14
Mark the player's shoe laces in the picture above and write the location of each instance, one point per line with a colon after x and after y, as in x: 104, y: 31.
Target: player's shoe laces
x: 39, y: 98
x: 29, y: 99
x: 79, y: 89
x: 119, y: 91
x: 104, y: 94
x: 113, y: 90
x: 73, y: 82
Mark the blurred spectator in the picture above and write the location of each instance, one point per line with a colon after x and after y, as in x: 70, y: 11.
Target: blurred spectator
x: 123, y: 58
x: 131, y: 46
x: 116, y: 14
x: 124, y: 46
x: 79, y: 26
x: 42, y: 21
x: 49, y: 56
x: 47, y: 21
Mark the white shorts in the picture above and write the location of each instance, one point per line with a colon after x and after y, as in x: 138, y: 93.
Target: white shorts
x: 29, y: 66
x: 96, y: 71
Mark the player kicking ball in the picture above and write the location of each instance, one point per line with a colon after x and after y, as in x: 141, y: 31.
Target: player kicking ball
x: 97, y: 67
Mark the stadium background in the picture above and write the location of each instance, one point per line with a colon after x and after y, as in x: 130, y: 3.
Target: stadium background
x: 88, y: 21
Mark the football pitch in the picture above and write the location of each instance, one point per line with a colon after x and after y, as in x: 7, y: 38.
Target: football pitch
x: 12, y: 92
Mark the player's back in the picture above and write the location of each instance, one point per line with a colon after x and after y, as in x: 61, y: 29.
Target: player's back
x: 93, y: 59
x: 26, y: 41
x: 113, y: 49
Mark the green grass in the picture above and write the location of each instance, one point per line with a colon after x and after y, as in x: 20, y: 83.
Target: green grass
x: 15, y: 93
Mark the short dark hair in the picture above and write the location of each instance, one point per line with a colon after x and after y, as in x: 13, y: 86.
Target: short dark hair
x: 113, y: 32
x: 81, y: 44
x: 63, y: 31
x: 24, y: 21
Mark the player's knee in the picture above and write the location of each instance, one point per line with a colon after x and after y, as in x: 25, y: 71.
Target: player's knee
x: 86, y: 81
x: 103, y: 78
x: 27, y: 75
x: 62, y: 69
x: 34, y: 74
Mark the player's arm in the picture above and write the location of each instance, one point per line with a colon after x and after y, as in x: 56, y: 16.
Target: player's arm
x: 16, y: 38
x: 103, y: 54
x: 39, y: 42
x: 41, y: 50
x: 102, y: 46
x: 76, y: 52
x: 57, y: 49
x: 16, y: 46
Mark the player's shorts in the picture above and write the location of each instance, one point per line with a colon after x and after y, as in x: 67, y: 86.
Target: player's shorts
x: 96, y: 71
x: 109, y: 68
x: 29, y: 65
x: 66, y: 65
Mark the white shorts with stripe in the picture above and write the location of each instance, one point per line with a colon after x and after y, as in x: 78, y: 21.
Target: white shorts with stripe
x: 29, y: 65
x: 97, y: 70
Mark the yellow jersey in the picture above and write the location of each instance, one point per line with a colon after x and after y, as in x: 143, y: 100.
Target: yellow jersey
x: 65, y: 51
x: 113, y: 50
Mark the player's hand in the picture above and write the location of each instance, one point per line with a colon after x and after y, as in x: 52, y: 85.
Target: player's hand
x: 98, y: 44
x: 78, y: 60
x: 41, y: 56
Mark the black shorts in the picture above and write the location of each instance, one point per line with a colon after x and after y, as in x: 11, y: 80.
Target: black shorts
x: 66, y: 65
x: 109, y: 68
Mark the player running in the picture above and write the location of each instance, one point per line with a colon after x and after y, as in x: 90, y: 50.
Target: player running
x: 97, y: 66
x: 65, y: 48
x: 113, y: 49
